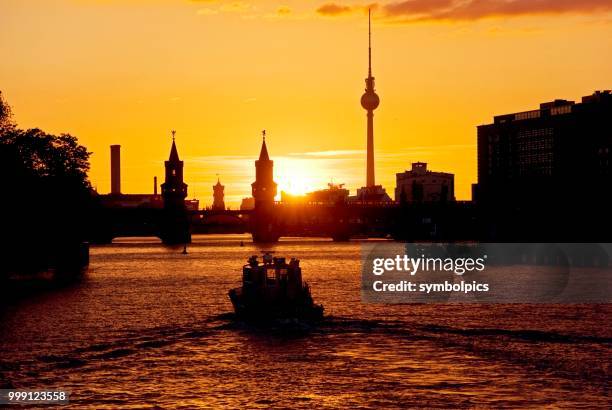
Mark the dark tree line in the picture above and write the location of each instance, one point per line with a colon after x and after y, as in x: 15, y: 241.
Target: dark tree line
x: 45, y: 200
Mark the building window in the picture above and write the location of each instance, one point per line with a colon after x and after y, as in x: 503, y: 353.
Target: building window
x: 534, y: 152
x: 565, y: 109
x: 527, y: 115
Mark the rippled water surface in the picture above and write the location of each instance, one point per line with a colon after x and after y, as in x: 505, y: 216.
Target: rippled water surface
x: 148, y: 326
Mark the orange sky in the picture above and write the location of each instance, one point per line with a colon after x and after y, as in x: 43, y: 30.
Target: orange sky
x: 127, y: 72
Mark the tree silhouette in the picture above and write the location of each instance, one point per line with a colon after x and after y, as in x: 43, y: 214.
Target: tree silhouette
x: 46, y: 196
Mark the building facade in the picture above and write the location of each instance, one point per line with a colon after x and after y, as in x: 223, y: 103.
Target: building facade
x: 421, y: 185
x: 371, y: 194
x: 247, y: 204
x: 334, y: 194
x: 559, y: 151
x: 548, y: 170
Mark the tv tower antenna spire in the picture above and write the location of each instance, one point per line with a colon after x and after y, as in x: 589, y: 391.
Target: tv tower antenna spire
x: 369, y: 42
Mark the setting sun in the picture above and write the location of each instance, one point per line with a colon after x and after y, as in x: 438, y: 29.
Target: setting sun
x: 294, y: 177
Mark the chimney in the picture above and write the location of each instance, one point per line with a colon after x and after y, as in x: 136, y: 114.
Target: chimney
x: 154, y: 185
x: 115, y: 169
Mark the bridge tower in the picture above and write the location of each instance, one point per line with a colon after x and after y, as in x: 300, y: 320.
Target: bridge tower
x: 175, y: 221
x: 174, y: 190
x: 218, y: 196
x: 264, y: 190
x: 264, y: 187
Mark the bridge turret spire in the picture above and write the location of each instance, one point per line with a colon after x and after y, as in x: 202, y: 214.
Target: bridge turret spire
x: 264, y: 187
x: 174, y: 189
x: 174, y: 156
x: 263, y: 154
x: 218, y: 196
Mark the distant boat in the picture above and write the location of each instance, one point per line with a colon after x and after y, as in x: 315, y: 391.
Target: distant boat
x: 274, y: 289
x: 184, y: 249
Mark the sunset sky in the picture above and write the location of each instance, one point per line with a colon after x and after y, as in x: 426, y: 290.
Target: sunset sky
x: 129, y: 71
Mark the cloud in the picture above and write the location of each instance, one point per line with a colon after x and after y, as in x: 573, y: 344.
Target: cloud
x: 412, y: 7
x: 360, y: 153
x: 328, y: 154
x: 478, y: 9
x: 224, y: 6
x: 236, y: 7
x: 206, y: 12
x: 333, y: 9
x: 464, y: 10
x: 283, y: 11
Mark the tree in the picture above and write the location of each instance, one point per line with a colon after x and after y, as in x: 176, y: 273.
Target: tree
x: 6, y: 115
x: 46, y: 195
x: 54, y: 159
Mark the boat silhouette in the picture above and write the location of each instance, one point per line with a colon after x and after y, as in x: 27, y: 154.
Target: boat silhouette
x: 273, y: 289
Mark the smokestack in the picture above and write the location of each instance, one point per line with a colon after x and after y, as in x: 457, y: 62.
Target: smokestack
x: 154, y: 185
x: 115, y: 169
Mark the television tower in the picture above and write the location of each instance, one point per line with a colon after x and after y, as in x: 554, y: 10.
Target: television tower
x: 370, y: 101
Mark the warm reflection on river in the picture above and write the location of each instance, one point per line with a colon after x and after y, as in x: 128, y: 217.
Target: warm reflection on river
x: 148, y: 326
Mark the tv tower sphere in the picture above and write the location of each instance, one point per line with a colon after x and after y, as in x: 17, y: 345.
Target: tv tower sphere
x: 370, y: 100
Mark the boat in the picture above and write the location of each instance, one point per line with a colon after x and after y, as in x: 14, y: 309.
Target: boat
x: 273, y: 289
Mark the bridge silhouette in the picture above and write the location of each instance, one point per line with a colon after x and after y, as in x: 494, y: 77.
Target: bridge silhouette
x: 341, y: 221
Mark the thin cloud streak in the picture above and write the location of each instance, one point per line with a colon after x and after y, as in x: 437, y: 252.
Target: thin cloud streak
x: 326, y: 154
x: 333, y: 9
x: 409, y: 11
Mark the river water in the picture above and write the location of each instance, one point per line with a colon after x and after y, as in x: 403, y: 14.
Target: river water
x: 148, y: 326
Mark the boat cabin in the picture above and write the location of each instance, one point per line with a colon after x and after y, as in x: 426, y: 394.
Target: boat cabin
x: 273, y: 276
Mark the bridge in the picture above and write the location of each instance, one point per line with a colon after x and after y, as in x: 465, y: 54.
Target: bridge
x: 341, y: 221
